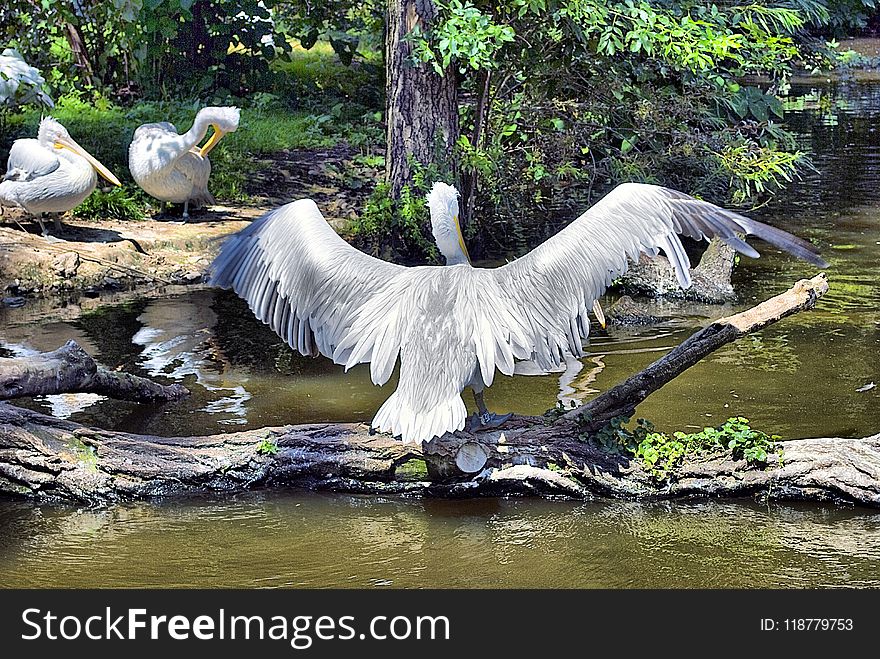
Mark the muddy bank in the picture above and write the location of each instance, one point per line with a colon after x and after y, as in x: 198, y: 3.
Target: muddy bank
x: 112, y: 255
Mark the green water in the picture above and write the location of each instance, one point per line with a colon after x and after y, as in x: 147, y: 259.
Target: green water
x: 798, y: 378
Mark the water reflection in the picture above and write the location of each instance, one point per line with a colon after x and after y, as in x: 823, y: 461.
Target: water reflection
x: 358, y: 542
x: 176, y: 340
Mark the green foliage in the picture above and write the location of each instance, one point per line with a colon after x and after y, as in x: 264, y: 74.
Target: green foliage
x: 118, y: 203
x: 343, y: 24
x: 402, y: 227
x: 268, y: 446
x: 163, y: 47
x: 588, y: 93
x: 660, y: 454
x: 467, y: 35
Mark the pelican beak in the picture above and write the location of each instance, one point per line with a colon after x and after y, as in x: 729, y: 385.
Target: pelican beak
x: 70, y: 144
x: 461, y: 238
x: 212, y: 141
x: 600, y: 315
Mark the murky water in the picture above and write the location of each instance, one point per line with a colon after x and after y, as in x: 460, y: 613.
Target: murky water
x: 798, y: 378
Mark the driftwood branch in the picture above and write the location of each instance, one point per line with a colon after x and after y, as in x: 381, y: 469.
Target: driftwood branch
x: 70, y: 369
x: 622, y: 399
x: 45, y: 458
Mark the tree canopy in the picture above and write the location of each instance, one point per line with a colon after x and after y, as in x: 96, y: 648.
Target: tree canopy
x: 557, y: 99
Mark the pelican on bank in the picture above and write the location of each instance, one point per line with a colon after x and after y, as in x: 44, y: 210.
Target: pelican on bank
x: 172, y: 167
x: 452, y: 326
x: 50, y: 174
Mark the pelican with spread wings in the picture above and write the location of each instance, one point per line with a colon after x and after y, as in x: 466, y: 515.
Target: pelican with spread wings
x: 50, y: 174
x: 172, y: 167
x: 452, y: 326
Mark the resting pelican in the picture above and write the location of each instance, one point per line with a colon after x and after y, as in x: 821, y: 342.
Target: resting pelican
x: 50, y: 174
x: 171, y: 167
x: 453, y: 325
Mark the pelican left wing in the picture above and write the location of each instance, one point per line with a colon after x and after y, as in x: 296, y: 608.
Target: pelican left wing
x: 554, y: 285
x: 300, y: 278
x: 28, y: 160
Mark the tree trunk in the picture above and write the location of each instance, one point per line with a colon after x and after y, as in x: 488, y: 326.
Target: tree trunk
x: 80, y: 52
x: 421, y: 106
x: 622, y: 399
x: 469, y: 188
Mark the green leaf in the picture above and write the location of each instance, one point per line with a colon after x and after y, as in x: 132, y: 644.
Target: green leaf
x: 308, y: 40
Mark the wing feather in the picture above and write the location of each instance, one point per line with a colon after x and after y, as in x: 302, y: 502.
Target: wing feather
x: 300, y: 278
x: 28, y: 160
x: 552, y: 287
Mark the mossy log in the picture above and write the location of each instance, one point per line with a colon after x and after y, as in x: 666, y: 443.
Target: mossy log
x: 48, y: 459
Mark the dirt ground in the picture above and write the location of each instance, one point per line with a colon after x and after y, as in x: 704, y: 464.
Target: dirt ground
x: 104, y: 256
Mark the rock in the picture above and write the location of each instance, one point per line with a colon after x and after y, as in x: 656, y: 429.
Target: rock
x: 12, y: 302
x: 65, y: 265
x: 710, y: 280
x: 192, y: 277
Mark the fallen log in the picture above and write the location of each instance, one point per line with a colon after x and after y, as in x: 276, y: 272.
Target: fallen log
x: 70, y: 369
x: 49, y: 459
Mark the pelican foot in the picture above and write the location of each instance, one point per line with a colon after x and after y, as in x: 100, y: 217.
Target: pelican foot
x: 486, y: 421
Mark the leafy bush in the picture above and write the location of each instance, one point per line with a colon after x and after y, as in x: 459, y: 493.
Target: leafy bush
x: 118, y: 203
x: 660, y: 454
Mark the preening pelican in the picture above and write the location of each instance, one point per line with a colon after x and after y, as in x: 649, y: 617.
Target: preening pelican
x: 173, y: 168
x: 453, y: 325
x: 50, y: 174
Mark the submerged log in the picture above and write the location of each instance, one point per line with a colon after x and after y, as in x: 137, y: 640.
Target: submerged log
x: 70, y: 369
x: 49, y: 459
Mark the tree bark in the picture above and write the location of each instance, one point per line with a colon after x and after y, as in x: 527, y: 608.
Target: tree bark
x: 70, y: 369
x: 44, y: 458
x: 469, y: 189
x: 49, y: 459
x: 421, y: 106
x: 80, y: 52
x: 710, y: 280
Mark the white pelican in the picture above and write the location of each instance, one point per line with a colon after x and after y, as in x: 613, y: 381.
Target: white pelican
x: 453, y: 325
x: 20, y: 82
x: 173, y: 168
x: 50, y: 174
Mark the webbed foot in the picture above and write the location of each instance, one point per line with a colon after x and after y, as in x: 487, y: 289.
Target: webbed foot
x: 486, y: 421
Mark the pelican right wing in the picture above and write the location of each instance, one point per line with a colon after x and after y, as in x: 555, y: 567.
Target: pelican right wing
x: 552, y: 287
x: 299, y: 277
x: 29, y: 160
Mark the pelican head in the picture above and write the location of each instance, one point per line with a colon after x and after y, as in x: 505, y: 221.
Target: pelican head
x: 52, y: 135
x: 443, y: 204
x: 222, y: 119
